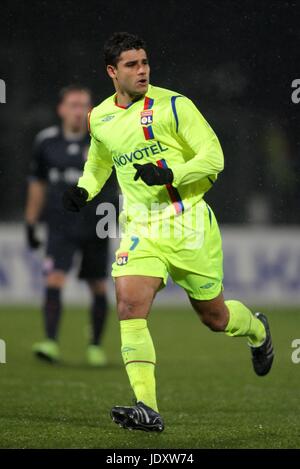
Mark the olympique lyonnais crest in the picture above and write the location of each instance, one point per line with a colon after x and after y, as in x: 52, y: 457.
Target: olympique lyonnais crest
x: 147, y: 117
x: 122, y: 258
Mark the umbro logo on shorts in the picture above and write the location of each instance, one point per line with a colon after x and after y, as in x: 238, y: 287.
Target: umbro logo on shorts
x: 207, y: 285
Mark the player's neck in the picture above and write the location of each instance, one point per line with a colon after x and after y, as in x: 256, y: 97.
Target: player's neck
x: 71, y: 134
x: 123, y: 99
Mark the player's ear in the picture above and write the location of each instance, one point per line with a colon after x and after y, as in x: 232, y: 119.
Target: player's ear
x: 111, y: 70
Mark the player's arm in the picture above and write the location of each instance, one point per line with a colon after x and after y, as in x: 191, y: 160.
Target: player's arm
x: 199, y: 138
x: 196, y: 133
x: 97, y: 170
x: 36, y: 195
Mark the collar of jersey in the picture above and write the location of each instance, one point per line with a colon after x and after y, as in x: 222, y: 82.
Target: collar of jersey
x: 133, y: 102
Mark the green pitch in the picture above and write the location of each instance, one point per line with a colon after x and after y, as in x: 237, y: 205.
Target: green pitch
x: 207, y: 391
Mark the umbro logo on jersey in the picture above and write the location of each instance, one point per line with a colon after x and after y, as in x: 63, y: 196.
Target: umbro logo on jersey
x: 108, y: 118
x: 147, y: 117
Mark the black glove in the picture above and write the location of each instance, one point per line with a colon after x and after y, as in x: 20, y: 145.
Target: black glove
x: 153, y: 175
x: 32, y: 240
x: 75, y: 198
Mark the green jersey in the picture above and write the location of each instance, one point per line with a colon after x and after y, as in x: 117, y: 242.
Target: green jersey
x: 163, y: 128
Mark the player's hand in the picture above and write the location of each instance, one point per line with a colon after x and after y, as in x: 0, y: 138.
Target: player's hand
x: 153, y: 175
x: 75, y: 198
x: 32, y: 240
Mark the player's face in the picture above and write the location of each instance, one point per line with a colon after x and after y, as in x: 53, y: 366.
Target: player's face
x: 74, y: 109
x: 131, y: 75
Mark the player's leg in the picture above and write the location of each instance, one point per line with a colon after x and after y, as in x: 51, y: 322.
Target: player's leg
x: 99, y: 307
x: 138, y: 273
x: 236, y: 320
x: 135, y: 295
x: 199, y: 270
x: 48, y: 349
x: 55, y: 282
x: 94, y: 271
x: 98, y: 316
x: 231, y: 317
x: 56, y: 264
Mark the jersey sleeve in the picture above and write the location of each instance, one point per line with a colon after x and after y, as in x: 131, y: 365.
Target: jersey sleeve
x: 196, y: 133
x: 97, y: 168
x: 38, y: 170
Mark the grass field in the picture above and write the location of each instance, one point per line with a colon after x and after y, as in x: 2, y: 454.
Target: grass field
x: 208, y: 394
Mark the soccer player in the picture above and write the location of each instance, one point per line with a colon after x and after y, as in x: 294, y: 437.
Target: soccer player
x: 58, y: 160
x: 166, y: 158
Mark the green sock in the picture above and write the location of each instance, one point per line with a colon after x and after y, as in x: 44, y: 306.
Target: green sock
x: 243, y: 323
x: 139, y: 358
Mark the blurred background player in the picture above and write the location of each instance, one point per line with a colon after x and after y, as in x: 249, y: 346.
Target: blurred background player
x: 58, y: 158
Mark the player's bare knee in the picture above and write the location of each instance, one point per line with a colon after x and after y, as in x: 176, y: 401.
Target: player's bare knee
x: 135, y: 295
x: 97, y: 286
x: 130, y: 309
x: 56, y: 279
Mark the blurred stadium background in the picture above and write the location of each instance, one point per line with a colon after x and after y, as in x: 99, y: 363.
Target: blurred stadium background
x: 237, y: 61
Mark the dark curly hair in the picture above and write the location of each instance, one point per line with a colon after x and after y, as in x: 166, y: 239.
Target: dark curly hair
x: 118, y: 43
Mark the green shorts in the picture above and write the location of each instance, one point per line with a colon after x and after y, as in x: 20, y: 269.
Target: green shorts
x: 191, y: 253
